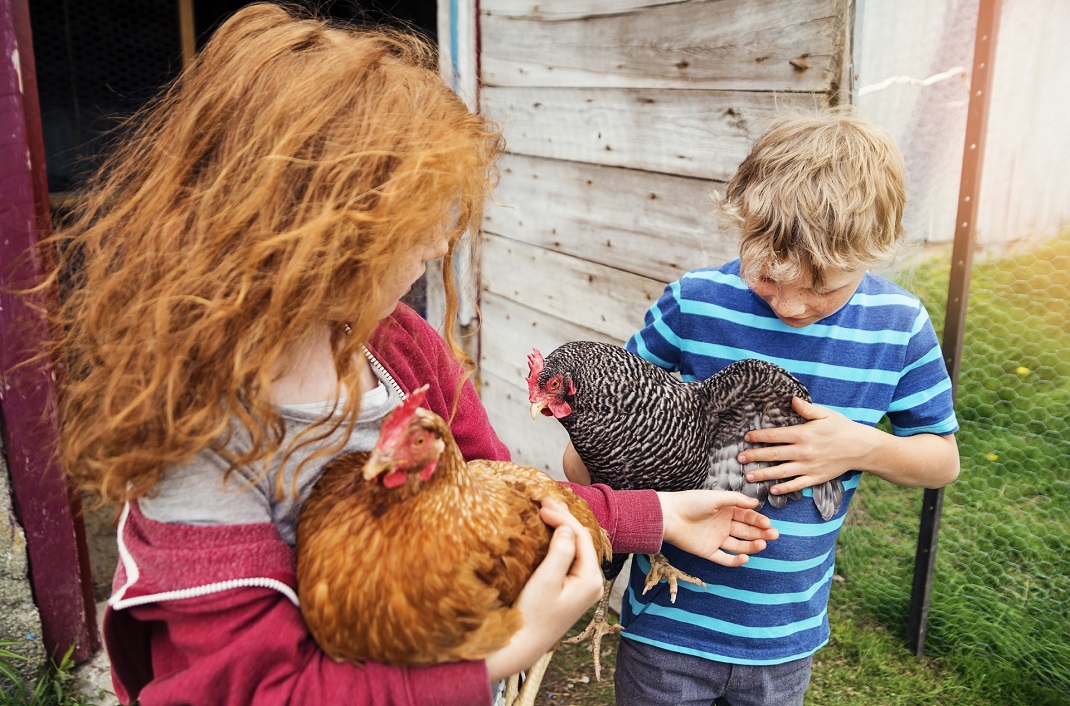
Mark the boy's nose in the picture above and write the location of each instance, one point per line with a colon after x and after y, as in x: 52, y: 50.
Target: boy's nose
x: 789, y: 306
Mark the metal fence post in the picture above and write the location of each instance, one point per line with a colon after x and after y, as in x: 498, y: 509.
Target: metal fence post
x: 984, y: 54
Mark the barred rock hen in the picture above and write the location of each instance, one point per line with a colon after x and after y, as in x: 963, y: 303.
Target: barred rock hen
x: 411, y: 556
x: 636, y: 426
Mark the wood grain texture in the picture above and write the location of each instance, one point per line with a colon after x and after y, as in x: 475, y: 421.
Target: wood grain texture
x: 538, y: 443
x: 588, y: 294
x: 650, y: 224
x: 507, y: 355
x: 703, y: 134
x: 764, y: 45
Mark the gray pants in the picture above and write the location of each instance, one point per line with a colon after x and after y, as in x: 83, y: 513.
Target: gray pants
x: 650, y: 676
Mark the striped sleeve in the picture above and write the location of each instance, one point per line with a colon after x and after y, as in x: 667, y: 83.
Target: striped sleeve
x: 658, y: 341
x: 922, y: 401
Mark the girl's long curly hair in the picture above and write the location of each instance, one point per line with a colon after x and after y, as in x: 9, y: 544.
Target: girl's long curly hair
x: 276, y: 184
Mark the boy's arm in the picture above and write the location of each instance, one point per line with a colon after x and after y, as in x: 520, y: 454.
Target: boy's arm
x: 830, y: 444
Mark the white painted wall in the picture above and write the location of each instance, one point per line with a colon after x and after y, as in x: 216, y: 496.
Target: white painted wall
x: 1026, y: 186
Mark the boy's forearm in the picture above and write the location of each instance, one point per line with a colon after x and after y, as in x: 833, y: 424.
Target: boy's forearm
x: 920, y: 461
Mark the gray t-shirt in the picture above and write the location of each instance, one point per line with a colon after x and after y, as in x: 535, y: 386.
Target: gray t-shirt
x: 194, y: 492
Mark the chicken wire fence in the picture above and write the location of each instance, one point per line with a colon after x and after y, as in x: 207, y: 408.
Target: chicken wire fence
x: 1000, y: 606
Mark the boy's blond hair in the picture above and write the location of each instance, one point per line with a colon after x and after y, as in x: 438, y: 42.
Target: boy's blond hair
x: 817, y: 193
x: 280, y: 182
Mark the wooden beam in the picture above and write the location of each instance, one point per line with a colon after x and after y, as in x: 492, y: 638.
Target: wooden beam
x: 588, y: 294
x: 693, y: 133
x: 47, y: 508
x: 187, y: 32
x: 655, y: 225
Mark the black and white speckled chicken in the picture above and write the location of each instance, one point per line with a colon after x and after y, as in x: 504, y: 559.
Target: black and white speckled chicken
x: 636, y: 426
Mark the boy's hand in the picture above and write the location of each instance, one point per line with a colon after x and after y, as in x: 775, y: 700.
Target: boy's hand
x: 825, y: 447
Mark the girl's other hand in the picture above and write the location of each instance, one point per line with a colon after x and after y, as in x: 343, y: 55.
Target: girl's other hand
x: 566, y: 583
x: 710, y: 523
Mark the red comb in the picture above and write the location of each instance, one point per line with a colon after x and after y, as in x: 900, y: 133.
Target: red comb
x: 535, y: 365
x: 403, y: 414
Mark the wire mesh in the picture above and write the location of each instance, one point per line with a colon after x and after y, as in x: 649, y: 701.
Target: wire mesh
x: 1001, y: 592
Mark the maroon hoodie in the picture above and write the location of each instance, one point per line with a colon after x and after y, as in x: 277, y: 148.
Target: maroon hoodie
x: 209, y: 614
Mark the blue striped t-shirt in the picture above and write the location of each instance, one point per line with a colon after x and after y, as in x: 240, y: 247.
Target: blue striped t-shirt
x: 877, y: 355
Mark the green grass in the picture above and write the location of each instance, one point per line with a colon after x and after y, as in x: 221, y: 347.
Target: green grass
x: 999, y: 627
x: 55, y: 686
x: 1001, y: 595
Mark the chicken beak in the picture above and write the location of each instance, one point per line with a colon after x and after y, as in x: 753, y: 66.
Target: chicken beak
x: 376, y: 466
x: 537, y: 408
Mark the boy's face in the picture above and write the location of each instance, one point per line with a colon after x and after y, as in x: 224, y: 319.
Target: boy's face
x: 799, y: 303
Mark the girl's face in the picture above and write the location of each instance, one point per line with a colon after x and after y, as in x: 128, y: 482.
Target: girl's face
x: 412, y: 267
x: 799, y: 303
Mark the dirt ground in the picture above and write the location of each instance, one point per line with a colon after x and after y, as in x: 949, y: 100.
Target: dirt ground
x: 103, y: 552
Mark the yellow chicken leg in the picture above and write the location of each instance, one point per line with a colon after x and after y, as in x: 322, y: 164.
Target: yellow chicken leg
x: 526, y: 694
x: 660, y: 568
x: 597, y: 629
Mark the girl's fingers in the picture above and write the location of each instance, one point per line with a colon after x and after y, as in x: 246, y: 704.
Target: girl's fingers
x: 741, y: 546
x: 725, y: 559
x: 742, y: 530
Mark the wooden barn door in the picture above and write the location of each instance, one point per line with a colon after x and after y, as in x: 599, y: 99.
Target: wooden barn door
x: 619, y: 118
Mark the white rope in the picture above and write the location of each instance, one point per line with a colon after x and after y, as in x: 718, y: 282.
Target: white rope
x: 936, y: 78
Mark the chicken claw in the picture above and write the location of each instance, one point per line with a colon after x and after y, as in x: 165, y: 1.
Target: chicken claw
x: 660, y: 568
x: 597, y: 629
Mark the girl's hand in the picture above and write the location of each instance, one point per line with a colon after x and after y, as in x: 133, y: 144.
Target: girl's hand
x: 825, y: 447
x: 710, y: 523
x: 567, y: 583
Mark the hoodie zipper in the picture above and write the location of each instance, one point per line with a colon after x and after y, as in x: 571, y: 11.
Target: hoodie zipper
x: 382, y: 371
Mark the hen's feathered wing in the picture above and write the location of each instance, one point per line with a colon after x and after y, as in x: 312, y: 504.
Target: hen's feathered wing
x: 753, y: 394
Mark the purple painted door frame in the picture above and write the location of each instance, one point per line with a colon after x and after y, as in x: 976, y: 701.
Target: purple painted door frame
x: 47, y: 508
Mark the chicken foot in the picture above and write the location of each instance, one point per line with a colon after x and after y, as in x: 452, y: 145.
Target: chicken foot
x: 660, y: 568
x: 525, y: 695
x: 597, y: 629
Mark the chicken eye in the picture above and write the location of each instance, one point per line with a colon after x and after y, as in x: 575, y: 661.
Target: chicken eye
x: 419, y: 441
x: 555, y: 383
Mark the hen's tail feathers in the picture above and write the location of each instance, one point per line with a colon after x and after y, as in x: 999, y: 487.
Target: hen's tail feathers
x: 828, y: 497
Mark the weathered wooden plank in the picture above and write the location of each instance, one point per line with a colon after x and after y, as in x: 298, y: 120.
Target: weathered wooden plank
x: 567, y: 9
x: 684, y: 132
x: 766, y: 45
x: 513, y: 329
x: 538, y: 443
x: 591, y: 295
x: 654, y: 225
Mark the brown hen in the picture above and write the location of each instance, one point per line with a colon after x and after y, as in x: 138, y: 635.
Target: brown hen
x: 412, y: 556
